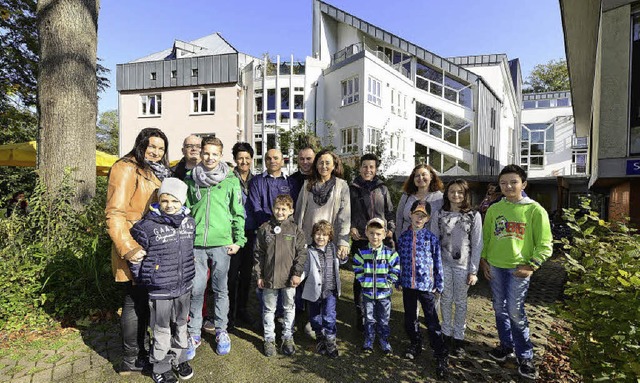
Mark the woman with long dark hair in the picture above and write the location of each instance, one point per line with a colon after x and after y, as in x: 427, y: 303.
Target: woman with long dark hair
x: 133, y: 181
x: 423, y: 184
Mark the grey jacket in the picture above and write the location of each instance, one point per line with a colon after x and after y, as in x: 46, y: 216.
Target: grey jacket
x: 313, y: 283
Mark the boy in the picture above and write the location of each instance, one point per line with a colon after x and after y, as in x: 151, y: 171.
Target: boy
x: 166, y: 234
x: 280, y: 254
x: 517, y: 240
x: 215, y: 199
x: 420, y: 280
x: 377, y: 269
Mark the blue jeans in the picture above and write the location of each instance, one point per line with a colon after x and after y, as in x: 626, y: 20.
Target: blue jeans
x: 322, y: 315
x: 220, y: 261
x: 509, y: 293
x: 377, y: 313
x: 270, y: 297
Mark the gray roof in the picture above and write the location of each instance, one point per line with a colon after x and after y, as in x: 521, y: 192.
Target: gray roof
x: 213, y: 44
x: 479, y: 60
x: 546, y: 95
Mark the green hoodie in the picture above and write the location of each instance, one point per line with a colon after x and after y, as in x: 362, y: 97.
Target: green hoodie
x: 219, y: 214
x: 516, y: 234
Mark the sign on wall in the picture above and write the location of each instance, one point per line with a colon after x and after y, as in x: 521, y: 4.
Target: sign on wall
x: 633, y: 167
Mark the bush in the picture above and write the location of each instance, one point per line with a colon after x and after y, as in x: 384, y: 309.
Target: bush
x: 57, y: 261
x: 603, y: 263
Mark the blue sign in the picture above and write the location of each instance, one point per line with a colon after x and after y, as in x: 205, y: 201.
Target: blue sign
x: 633, y: 167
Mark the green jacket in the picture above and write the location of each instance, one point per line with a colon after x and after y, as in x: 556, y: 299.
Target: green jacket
x: 516, y: 234
x: 219, y: 214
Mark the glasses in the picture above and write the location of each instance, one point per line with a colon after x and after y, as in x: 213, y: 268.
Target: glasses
x: 192, y: 146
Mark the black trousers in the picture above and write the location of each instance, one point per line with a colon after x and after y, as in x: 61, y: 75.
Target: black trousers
x: 239, y: 282
x: 410, y: 299
x: 134, y: 323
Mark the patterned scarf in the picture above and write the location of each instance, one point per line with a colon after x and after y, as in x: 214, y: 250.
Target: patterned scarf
x: 205, y: 178
x: 159, y: 169
x: 321, y: 192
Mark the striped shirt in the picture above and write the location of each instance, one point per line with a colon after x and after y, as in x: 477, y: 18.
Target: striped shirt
x: 377, y: 270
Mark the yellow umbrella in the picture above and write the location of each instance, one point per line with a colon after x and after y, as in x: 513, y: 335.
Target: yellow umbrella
x: 24, y: 154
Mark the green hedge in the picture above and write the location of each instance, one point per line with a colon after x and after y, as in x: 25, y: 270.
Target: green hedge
x: 603, y: 263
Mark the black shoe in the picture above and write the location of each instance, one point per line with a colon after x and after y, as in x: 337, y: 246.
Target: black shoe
x: 413, y: 350
x: 442, y: 368
x: 321, y: 345
x: 526, y: 369
x: 184, y: 371
x: 139, y: 365
x: 332, y: 348
x: 166, y: 377
x: 501, y: 354
x: 269, y: 348
x: 457, y: 348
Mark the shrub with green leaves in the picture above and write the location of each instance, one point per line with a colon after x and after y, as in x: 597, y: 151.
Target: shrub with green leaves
x: 603, y: 263
x: 56, y: 261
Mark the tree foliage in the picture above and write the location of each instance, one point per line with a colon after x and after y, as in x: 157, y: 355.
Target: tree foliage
x: 107, y: 132
x: 550, y: 77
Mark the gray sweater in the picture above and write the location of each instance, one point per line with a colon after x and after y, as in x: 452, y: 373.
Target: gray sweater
x: 460, y: 237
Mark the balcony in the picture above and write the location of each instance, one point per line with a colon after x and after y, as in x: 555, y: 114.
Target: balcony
x: 578, y: 169
x: 356, y: 48
x: 579, y: 142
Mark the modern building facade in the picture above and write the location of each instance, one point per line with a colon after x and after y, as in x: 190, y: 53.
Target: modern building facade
x: 602, y: 43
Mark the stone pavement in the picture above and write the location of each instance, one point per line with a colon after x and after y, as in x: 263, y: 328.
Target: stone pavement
x: 89, y: 355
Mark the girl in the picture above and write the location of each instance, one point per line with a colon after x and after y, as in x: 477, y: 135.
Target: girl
x: 460, y: 232
x: 322, y: 287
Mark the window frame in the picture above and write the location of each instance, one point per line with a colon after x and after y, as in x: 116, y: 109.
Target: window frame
x: 350, y: 134
x: 374, y: 91
x: 144, y: 105
x: 210, y: 94
x: 350, y: 91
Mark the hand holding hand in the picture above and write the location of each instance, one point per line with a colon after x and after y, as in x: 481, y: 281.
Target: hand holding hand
x: 472, y: 279
x: 138, y: 257
x: 343, y: 252
x: 355, y: 234
x: 295, y: 281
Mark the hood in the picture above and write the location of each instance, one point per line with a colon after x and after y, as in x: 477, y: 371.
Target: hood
x: 174, y: 220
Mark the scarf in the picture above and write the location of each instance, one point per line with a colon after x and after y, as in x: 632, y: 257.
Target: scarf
x: 366, y: 185
x: 243, y: 184
x: 321, y: 192
x: 159, y: 169
x: 205, y: 178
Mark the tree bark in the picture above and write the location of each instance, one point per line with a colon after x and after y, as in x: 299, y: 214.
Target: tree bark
x: 67, y: 94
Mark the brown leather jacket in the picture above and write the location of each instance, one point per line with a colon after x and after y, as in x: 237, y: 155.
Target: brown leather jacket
x: 129, y: 193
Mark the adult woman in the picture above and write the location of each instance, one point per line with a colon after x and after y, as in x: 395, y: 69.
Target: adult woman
x: 325, y: 195
x: 424, y: 185
x: 133, y: 181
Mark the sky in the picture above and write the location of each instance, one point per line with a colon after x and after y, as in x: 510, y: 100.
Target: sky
x: 528, y: 30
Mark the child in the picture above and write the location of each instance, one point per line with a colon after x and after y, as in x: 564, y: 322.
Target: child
x: 280, y: 254
x: 377, y: 269
x: 215, y: 199
x: 322, y: 286
x: 459, y: 230
x: 420, y: 280
x: 166, y: 235
x: 517, y: 240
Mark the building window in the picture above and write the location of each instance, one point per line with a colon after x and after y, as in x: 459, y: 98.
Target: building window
x: 493, y: 119
x: 151, y: 105
x: 174, y: 73
x: 373, y: 91
x: 372, y: 139
x: 579, y: 162
x: 298, y: 103
x: 634, y: 102
x: 441, y: 84
x: 194, y: 72
x: 441, y: 162
x: 349, y: 142
x: 204, y: 101
x: 537, y: 139
x: 152, y: 76
x: 444, y: 126
x: 350, y: 91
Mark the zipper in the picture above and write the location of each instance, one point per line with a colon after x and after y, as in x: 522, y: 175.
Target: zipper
x: 206, y: 219
x: 413, y: 261
x: 375, y: 279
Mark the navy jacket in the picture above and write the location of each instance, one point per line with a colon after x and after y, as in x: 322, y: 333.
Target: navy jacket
x: 169, y: 267
x: 263, y: 190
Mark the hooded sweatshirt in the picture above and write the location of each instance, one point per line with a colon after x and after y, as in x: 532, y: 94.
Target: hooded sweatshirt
x: 516, y: 234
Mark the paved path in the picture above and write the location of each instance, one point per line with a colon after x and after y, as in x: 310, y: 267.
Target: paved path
x: 89, y: 355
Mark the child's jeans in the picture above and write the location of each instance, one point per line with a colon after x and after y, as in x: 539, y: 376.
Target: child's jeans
x: 509, y: 293
x: 454, y: 292
x: 410, y: 298
x: 322, y: 315
x: 270, y: 297
x: 169, y: 346
x: 377, y: 313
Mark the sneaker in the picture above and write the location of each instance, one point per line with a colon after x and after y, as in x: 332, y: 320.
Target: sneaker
x: 413, y: 350
x: 288, y: 346
x: 442, y: 368
x: 193, y: 343
x: 321, y: 345
x: 166, y: 377
x: 367, y: 347
x: 223, y: 343
x: 184, y: 371
x: 139, y: 365
x: 332, y: 348
x: 526, y: 369
x: 385, y: 346
x: 501, y: 354
x: 269, y: 348
x: 209, y: 326
x: 457, y: 348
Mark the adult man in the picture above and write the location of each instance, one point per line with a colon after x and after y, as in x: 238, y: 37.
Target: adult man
x: 306, y: 156
x: 191, y: 156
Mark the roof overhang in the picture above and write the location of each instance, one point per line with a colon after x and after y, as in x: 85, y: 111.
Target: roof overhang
x: 581, y: 24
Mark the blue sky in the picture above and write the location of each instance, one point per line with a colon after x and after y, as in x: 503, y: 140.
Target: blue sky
x: 528, y: 30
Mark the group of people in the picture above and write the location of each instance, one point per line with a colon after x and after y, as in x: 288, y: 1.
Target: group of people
x: 202, y: 222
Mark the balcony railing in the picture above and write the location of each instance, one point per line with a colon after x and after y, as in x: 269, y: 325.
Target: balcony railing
x: 345, y: 53
x: 578, y: 169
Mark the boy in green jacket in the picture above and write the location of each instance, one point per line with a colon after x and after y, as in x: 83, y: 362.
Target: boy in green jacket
x: 517, y: 240
x: 215, y: 200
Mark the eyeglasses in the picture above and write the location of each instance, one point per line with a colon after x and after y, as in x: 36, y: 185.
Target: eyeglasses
x: 192, y: 146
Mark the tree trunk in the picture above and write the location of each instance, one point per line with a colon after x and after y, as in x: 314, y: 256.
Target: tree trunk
x: 67, y: 94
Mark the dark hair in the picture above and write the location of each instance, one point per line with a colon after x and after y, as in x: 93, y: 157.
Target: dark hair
x: 141, y: 144
x: 211, y: 140
x: 514, y: 169
x: 436, y: 184
x: 370, y: 157
x: 427, y: 206
x: 283, y: 199
x: 315, y: 175
x: 323, y: 226
x: 241, y: 147
x: 465, y: 206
